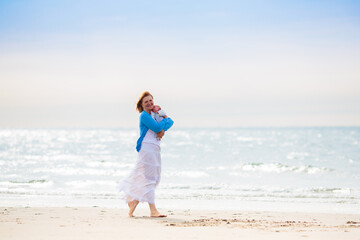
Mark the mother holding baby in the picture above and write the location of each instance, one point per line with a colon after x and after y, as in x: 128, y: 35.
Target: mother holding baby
x: 144, y: 178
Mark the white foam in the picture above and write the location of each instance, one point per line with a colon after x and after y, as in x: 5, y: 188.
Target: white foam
x: 87, y: 183
x: 249, y: 139
x: 75, y: 171
x: 279, y: 168
x: 105, y: 164
x: 187, y: 174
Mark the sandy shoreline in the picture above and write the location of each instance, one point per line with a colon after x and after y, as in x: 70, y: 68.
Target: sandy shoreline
x: 112, y: 223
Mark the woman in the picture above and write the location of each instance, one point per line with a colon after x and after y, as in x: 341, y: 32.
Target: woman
x: 140, y: 185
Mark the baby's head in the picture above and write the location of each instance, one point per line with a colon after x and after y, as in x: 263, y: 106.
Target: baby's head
x: 156, y: 108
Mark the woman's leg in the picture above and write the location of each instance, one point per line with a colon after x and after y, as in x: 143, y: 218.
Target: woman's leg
x: 154, y: 212
x: 132, y: 205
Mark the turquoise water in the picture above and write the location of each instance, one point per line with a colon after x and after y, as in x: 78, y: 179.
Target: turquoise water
x: 289, y: 169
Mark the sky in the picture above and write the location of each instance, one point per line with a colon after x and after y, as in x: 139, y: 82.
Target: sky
x: 83, y: 64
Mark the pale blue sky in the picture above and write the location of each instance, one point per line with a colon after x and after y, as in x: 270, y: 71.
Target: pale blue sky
x: 207, y: 63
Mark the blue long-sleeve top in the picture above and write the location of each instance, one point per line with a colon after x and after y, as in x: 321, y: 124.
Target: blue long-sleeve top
x: 147, y: 122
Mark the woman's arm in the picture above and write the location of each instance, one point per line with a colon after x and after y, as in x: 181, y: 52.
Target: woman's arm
x: 149, y: 122
x: 168, y: 124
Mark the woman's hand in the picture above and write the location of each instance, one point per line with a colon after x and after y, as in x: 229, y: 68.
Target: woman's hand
x: 165, y: 116
x: 160, y: 134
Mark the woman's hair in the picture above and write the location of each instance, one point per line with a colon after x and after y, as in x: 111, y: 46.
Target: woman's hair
x: 139, y: 107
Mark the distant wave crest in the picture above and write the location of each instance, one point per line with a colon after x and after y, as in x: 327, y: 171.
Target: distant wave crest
x: 273, y: 168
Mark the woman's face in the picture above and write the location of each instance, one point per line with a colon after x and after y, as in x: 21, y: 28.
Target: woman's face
x: 147, y: 103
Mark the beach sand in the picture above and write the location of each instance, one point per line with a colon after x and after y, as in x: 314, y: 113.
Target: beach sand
x: 105, y: 223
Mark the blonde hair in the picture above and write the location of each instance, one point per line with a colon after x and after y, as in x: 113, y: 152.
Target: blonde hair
x: 139, y: 107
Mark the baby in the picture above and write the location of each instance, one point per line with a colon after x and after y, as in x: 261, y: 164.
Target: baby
x: 157, y: 113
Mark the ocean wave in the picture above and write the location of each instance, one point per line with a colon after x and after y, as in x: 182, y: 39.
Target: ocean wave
x: 105, y: 189
x: 87, y: 183
x: 256, y: 193
x: 76, y: 171
x: 271, y: 168
x: 187, y: 174
x: 345, y: 191
x: 250, y: 139
x: 96, y: 164
x: 38, y: 183
x: 280, y: 168
x: 266, y: 190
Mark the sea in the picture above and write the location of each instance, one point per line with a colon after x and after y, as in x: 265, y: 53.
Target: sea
x: 297, y: 169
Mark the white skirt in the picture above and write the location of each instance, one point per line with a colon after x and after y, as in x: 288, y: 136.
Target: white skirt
x: 145, y: 177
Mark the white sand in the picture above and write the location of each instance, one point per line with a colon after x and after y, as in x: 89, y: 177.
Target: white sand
x: 104, y: 223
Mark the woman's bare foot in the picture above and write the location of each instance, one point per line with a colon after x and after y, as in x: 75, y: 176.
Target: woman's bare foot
x: 132, y: 205
x: 154, y: 212
x: 157, y: 214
